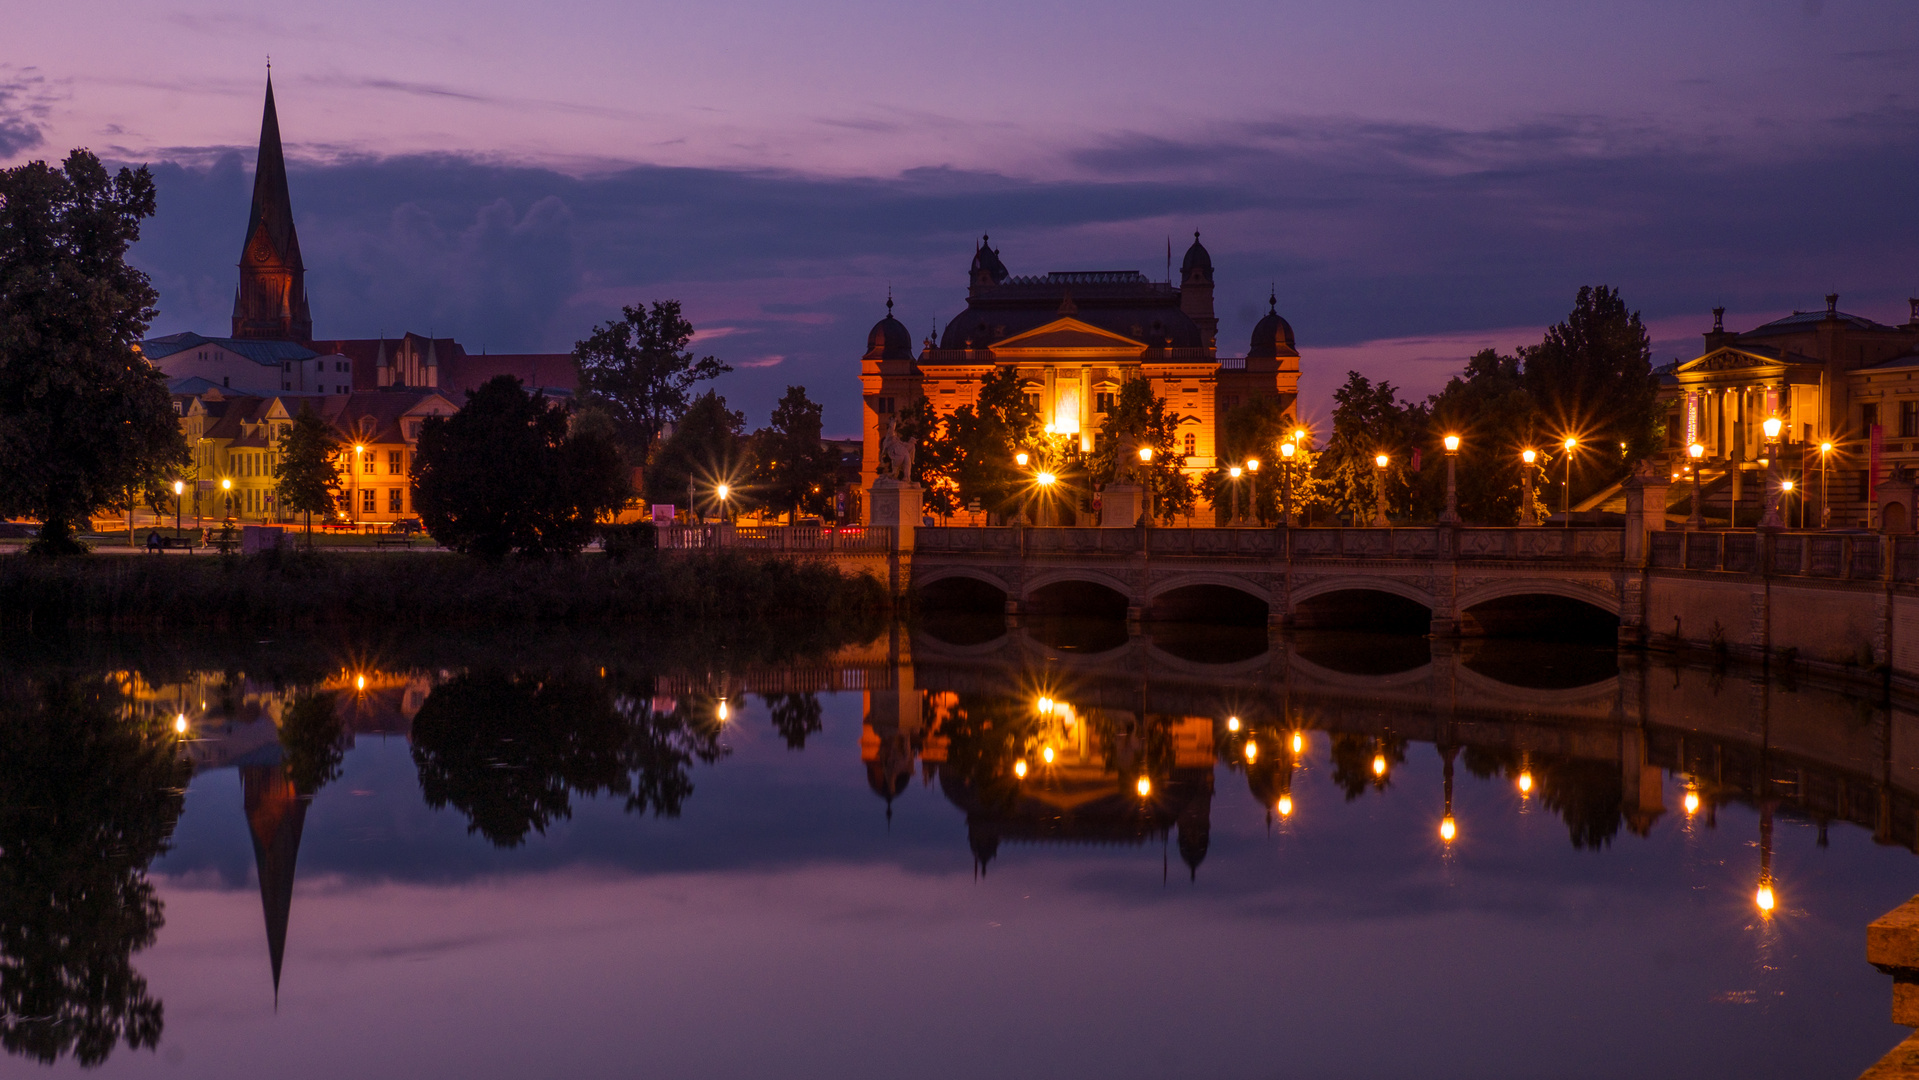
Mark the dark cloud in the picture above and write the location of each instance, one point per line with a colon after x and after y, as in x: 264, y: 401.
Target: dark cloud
x: 23, y: 109
x: 1366, y: 230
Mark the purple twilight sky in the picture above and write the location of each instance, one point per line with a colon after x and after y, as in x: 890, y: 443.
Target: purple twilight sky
x: 1416, y: 179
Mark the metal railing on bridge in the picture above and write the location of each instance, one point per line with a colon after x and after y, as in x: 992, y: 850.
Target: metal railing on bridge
x: 1858, y: 556
x: 1593, y: 545
x: 797, y: 539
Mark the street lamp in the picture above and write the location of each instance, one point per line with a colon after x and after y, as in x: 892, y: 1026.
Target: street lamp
x: 723, y: 490
x: 1146, y: 481
x: 1451, y: 516
x: 1698, y: 520
x: 179, y: 494
x: 1380, y: 461
x: 1785, y: 494
x: 1566, y: 497
x: 1825, y: 454
x: 1021, y: 459
x: 1252, y: 466
x: 1771, y: 519
x: 1528, y: 511
x: 1234, y: 473
x: 1286, y: 452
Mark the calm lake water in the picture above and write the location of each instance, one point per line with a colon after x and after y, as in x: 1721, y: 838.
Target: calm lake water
x: 960, y: 851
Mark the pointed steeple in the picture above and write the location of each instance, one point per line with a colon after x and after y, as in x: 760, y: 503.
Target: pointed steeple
x: 272, y: 302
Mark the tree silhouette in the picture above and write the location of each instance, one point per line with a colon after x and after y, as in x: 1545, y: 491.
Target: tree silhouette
x: 1353, y: 762
x: 87, y: 800
x: 795, y: 716
x: 509, y: 750
x: 312, y: 743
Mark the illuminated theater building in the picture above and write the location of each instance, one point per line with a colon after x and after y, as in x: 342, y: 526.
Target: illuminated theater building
x: 1075, y: 337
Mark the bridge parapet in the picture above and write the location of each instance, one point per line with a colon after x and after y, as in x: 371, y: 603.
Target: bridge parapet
x: 1520, y: 544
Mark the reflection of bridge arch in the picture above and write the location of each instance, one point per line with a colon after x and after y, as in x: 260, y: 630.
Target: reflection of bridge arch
x: 1237, y: 582
x: 1318, y: 676
x: 1568, y: 590
x: 1345, y: 584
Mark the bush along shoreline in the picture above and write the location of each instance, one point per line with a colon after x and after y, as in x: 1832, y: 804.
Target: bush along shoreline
x: 280, y: 590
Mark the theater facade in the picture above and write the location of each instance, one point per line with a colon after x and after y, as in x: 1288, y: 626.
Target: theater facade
x: 1076, y: 337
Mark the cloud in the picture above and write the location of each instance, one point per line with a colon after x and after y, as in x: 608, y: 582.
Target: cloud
x: 24, y: 104
x: 1368, y: 232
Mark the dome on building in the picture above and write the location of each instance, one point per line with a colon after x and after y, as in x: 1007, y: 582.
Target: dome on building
x: 1196, y: 258
x: 1273, y: 336
x: 986, y: 264
x: 889, y: 338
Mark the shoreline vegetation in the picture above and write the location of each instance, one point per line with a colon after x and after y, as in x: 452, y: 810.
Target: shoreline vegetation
x: 286, y: 590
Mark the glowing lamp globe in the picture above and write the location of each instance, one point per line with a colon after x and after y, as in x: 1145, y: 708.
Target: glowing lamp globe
x: 1144, y: 787
x: 1452, y: 444
x: 1284, y: 806
x: 1021, y: 459
x: 1381, y: 460
x: 1286, y: 450
x: 1695, y: 451
x: 1019, y: 768
x: 1529, y: 456
x: 1772, y: 426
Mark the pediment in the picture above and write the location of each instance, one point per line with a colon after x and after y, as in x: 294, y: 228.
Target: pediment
x: 1070, y: 336
x: 1734, y: 359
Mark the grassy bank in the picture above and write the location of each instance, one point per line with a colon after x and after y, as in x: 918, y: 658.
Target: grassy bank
x: 276, y: 591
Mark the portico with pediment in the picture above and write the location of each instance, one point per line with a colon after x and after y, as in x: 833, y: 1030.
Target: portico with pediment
x: 1075, y: 338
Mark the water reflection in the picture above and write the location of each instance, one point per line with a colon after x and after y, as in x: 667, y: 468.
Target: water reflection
x: 1030, y: 739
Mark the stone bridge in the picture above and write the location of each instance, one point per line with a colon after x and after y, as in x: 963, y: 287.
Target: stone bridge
x: 1297, y: 576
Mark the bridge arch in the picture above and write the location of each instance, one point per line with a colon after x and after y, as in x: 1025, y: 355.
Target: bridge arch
x: 1074, y: 591
x: 1325, y: 586
x: 1209, y: 597
x: 1372, y: 603
x: 1539, y: 608
x: 934, y: 574
x: 1517, y: 587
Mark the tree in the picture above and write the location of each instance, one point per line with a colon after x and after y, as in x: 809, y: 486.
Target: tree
x: 1252, y: 431
x: 984, y: 436
x: 1488, y: 406
x: 794, y: 716
x: 934, y: 456
x: 309, y: 478
x: 1592, y: 378
x: 505, y: 475
x: 85, y: 421
x: 88, y: 798
x: 793, y: 470
x: 1368, y: 420
x: 637, y: 369
x: 706, y: 450
x: 1139, y: 418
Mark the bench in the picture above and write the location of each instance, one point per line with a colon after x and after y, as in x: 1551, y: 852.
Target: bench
x: 156, y: 542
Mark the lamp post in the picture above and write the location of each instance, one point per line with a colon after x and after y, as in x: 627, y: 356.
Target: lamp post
x: 1566, y: 497
x: 1146, y: 481
x: 179, y: 496
x: 1286, y: 452
x: 723, y: 490
x: 1785, y: 495
x: 1825, y: 454
x: 1380, y: 520
x: 1528, y: 512
x: 1698, y: 519
x: 1771, y: 519
x: 354, y: 514
x: 226, y: 494
x: 1252, y: 468
x: 1451, y: 516
x: 1234, y: 473
x: 1046, y: 481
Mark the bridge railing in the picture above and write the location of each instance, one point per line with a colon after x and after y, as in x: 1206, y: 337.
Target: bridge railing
x: 1849, y: 556
x: 797, y: 539
x: 1266, y: 543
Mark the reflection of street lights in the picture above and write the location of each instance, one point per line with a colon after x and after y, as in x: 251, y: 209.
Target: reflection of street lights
x: 1380, y: 461
x: 1825, y: 453
x: 1698, y: 519
x: 1771, y: 519
x: 1451, y: 516
x: 1286, y: 452
x: 1528, y: 508
x: 1566, y: 500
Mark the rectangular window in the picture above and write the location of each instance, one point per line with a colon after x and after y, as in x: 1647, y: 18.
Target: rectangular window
x: 395, y: 500
x: 1103, y: 402
x: 366, y: 465
x: 883, y: 406
x: 1192, y: 446
x: 396, y: 463
x: 368, y: 503
x: 1868, y: 416
x: 1908, y: 419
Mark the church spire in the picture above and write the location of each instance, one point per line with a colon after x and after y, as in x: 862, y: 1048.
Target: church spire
x: 272, y: 302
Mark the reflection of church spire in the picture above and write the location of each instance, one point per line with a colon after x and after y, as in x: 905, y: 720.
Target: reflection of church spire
x: 1196, y: 827
x: 275, y: 815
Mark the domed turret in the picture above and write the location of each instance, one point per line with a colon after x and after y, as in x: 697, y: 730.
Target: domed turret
x: 1197, y: 260
x: 889, y: 338
x: 987, y: 270
x: 1273, y: 336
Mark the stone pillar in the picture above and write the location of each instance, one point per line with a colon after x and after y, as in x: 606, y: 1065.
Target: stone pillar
x: 1645, y: 507
x: 896, y: 505
x: 1119, y: 506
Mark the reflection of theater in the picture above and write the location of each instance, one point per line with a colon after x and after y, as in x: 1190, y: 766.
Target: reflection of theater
x: 1828, y: 376
x: 1078, y: 781
x: 233, y: 722
x: 1074, y: 338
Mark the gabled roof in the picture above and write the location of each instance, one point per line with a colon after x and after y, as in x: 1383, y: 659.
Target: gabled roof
x: 1734, y: 357
x: 1071, y: 336
x: 1904, y: 360
x: 260, y: 351
x: 1801, y: 321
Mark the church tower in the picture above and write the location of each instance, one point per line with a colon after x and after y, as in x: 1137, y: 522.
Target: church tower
x: 272, y: 299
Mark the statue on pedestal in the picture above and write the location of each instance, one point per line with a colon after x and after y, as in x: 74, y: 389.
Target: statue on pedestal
x: 896, y: 454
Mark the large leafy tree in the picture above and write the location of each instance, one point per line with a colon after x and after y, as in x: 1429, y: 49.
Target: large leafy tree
x: 1368, y: 420
x: 88, y: 798
x: 505, y: 474
x: 1139, y: 418
x: 934, y: 456
x: 1488, y: 406
x: 1251, y: 432
x: 793, y: 469
x: 85, y: 420
x: 308, y: 480
x: 637, y: 368
x: 1592, y: 378
x: 983, y: 437
x: 708, y: 448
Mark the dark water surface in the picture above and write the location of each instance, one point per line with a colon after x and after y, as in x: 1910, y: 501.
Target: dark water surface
x: 587, y: 858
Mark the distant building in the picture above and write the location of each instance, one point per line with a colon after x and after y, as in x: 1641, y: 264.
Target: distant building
x: 1075, y: 338
x: 1829, y: 377
x: 272, y: 349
